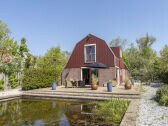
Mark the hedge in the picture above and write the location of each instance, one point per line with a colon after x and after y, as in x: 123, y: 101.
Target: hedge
x: 1, y: 83
x: 38, y: 78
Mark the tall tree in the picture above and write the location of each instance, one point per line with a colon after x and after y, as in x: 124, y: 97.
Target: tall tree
x: 4, y: 31
x: 8, y: 52
x: 142, y: 58
x: 23, y: 47
x: 54, y: 59
x: 164, y: 64
x: 67, y: 54
x: 12, y: 56
x: 145, y: 41
x: 4, y: 37
x: 118, y: 42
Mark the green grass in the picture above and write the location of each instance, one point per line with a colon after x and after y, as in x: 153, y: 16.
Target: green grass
x: 111, y: 111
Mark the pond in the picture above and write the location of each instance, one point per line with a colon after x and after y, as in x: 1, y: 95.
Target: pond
x: 34, y: 112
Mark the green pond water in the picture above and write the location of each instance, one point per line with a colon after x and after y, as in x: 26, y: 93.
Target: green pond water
x: 34, y: 112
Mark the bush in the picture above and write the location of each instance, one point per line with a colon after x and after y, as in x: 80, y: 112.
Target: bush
x: 38, y: 78
x: 162, y: 95
x: 164, y: 77
x: 13, y: 81
x: 1, y: 83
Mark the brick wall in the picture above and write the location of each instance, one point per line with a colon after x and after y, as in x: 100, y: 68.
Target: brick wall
x: 70, y: 73
x: 75, y: 73
x: 125, y: 75
x: 105, y: 75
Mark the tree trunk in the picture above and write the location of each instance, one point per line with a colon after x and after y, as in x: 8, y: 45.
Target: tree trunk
x: 5, y: 81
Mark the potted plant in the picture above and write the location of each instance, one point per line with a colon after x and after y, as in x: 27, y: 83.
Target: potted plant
x: 127, y: 84
x: 94, y: 82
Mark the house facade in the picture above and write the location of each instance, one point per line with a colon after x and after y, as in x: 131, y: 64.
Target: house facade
x: 92, y: 56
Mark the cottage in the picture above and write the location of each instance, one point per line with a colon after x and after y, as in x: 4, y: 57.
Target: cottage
x: 92, y: 56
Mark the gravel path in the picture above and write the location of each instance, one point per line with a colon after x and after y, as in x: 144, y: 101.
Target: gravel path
x: 150, y: 113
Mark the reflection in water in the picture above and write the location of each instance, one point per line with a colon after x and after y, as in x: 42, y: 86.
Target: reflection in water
x: 29, y: 112
x: 64, y: 121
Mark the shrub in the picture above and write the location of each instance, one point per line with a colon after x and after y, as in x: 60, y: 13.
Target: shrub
x: 1, y: 83
x: 38, y: 78
x: 164, y: 100
x: 164, y: 77
x: 13, y: 81
x: 162, y: 95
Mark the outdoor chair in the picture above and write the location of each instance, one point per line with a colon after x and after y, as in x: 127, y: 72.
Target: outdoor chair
x: 74, y: 84
x: 81, y: 83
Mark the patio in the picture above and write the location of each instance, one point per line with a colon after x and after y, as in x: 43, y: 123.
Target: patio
x: 115, y: 90
x: 84, y: 93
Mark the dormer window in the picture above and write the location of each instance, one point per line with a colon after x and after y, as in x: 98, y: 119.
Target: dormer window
x: 90, y: 53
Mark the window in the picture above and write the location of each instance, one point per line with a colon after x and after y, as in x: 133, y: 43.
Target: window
x: 90, y: 53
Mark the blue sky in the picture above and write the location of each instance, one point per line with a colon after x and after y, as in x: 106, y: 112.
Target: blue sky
x: 49, y: 23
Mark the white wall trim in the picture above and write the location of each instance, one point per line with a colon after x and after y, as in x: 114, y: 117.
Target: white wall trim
x: 89, y: 44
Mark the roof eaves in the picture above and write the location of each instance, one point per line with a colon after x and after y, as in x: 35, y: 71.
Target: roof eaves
x: 114, y: 55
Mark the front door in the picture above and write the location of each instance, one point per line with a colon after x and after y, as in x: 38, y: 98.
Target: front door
x: 87, y: 74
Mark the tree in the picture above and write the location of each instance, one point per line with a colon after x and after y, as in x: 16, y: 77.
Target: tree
x: 23, y: 47
x: 141, y: 59
x: 4, y: 31
x: 54, y: 59
x: 67, y: 54
x: 13, y: 57
x: 132, y: 54
x: 4, y: 37
x: 145, y: 41
x: 28, y: 60
x: 118, y: 42
x: 164, y: 64
x: 147, y: 56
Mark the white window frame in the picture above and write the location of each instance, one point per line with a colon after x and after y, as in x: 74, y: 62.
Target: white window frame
x: 85, y: 52
x: 82, y: 73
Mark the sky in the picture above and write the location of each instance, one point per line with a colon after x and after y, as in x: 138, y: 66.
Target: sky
x: 63, y: 23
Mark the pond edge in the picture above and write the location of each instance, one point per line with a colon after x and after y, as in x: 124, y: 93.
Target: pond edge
x: 129, y: 118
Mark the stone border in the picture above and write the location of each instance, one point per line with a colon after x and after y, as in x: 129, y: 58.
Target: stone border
x: 129, y: 118
x: 131, y: 114
x: 10, y: 97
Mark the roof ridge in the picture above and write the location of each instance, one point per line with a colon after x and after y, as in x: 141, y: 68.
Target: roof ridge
x: 95, y: 37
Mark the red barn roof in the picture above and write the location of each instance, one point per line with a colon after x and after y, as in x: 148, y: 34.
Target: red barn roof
x: 104, y: 54
x: 117, y: 51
